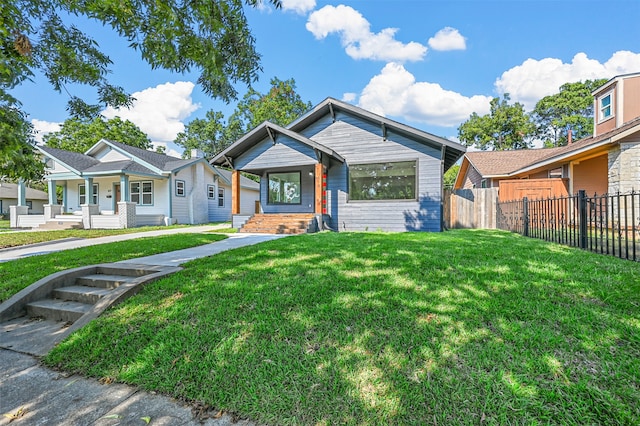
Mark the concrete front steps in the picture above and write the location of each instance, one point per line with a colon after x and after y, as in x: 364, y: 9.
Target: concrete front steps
x: 289, y: 223
x: 63, y: 221
x: 40, y: 316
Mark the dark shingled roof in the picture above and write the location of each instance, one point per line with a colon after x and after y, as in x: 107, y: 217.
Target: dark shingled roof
x: 501, y: 163
x: 162, y: 161
x: 75, y: 160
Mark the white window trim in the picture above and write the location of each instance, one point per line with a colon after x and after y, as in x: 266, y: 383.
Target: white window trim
x: 184, y: 188
x: 211, y: 192
x: 141, y: 192
x: 221, y: 197
x: 95, y: 194
x: 601, y: 117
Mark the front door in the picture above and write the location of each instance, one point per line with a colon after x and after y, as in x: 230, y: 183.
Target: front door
x: 116, y: 190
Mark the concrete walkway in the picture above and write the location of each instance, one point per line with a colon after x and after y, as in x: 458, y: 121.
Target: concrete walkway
x: 71, y: 243
x: 35, y: 395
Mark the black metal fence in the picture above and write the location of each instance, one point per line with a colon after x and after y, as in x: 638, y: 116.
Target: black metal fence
x: 607, y: 224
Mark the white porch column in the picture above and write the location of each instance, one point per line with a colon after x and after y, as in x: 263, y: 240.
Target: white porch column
x: 88, y: 190
x: 124, y: 188
x: 53, y: 199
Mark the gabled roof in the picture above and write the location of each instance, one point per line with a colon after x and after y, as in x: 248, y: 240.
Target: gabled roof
x: 10, y: 190
x: 140, y: 162
x: 611, y: 80
x: 270, y: 130
x: 453, y: 150
x: 509, y: 163
x: 72, y: 160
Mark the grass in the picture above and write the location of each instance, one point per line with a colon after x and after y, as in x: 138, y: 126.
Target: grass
x: 4, y: 226
x: 15, y: 239
x: 462, y: 327
x: 18, y: 274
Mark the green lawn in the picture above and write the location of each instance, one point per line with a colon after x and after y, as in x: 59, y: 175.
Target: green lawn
x: 4, y: 226
x: 15, y: 239
x: 18, y: 274
x: 462, y: 327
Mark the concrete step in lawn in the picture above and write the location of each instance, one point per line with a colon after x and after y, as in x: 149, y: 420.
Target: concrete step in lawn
x: 38, y: 317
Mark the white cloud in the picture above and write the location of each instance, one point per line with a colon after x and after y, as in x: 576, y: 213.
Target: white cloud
x: 534, y: 79
x: 448, y: 39
x: 356, y: 36
x: 41, y: 128
x: 159, y: 111
x: 349, y: 96
x: 301, y: 7
x: 169, y: 148
x: 396, y: 92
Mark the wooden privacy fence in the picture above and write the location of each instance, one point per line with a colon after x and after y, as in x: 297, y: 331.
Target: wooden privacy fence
x: 471, y: 208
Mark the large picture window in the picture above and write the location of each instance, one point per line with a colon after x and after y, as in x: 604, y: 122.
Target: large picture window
x: 382, y: 181
x: 142, y: 193
x: 284, y: 188
x: 82, y: 194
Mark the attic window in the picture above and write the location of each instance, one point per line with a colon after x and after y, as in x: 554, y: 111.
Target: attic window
x: 606, y: 109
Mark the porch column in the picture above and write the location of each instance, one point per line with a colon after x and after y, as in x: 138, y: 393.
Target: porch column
x: 64, y: 198
x: 88, y: 190
x: 22, y: 193
x: 53, y: 199
x: 319, y: 188
x: 235, y: 192
x: 124, y: 188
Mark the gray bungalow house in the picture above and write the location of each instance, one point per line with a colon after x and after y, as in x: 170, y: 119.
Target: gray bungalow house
x: 349, y: 168
x: 114, y: 185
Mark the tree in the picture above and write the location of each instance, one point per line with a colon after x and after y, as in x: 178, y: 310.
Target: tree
x: 212, y: 37
x: 280, y: 105
x: 570, y: 108
x: 449, y: 178
x: 80, y: 135
x: 505, y: 127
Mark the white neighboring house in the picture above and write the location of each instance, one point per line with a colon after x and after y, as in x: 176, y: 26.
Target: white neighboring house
x: 114, y: 185
x: 34, y: 198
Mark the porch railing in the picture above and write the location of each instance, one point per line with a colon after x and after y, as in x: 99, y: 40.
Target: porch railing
x: 607, y: 224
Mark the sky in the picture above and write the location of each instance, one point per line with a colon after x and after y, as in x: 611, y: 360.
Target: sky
x: 429, y: 64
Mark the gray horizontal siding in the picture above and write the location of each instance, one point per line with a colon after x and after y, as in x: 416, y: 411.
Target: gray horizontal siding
x: 361, y: 142
x: 266, y: 155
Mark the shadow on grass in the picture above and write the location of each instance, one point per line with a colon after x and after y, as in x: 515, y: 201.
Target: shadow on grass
x: 373, y: 328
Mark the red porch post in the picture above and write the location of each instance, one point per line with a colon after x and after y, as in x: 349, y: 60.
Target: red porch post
x: 235, y: 192
x: 320, y: 188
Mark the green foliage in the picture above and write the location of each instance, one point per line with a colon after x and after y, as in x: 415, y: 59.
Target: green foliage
x: 17, y: 157
x: 505, y: 127
x: 571, y: 107
x: 211, y: 37
x: 459, y: 327
x: 80, y: 135
x: 450, y: 175
x: 280, y: 105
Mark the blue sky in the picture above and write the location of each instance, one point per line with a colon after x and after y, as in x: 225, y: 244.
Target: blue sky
x: 429, y: 64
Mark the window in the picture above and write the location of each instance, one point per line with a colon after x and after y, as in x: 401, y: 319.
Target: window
x: 284, y: 188
x: 179, y: 188
x: 555, y: 173
x: 483, y: 183
x: 142, y: 193
x: 383, y: 181
x: 82, y: 194
x: 30, y: 205
x: 211, y: 192
x: 605, y: 107
x: 220, y: 197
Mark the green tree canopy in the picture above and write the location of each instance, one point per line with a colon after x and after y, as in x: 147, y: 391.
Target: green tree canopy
x: 507, y: 126
x: 449, y: 178
x: 211, y: 37
x: 570, y: 108
x: 79, y: 135
x: 280, y: 105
